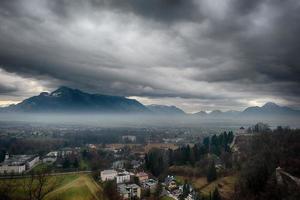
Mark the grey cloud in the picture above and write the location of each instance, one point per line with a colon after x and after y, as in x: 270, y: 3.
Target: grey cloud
x: 166, y: 11
x: 7, y: 89
x: 206, y: 50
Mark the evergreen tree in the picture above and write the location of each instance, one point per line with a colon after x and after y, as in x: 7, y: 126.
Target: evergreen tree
x: 76, y: 163
x: 214, y: 140
x: 212, y: 172
x: 185, y: 189
x: 158, y: 190
x: 206, y: 142
x: 216, y: 194
x: 66, y: 163
x: 187, y: 153
x: 171, y: 157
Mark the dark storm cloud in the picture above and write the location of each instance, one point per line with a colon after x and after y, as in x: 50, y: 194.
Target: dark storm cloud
x: 6, y: 89
x: 222, y: 51
x: 161, y: 10
x: 265, y: 38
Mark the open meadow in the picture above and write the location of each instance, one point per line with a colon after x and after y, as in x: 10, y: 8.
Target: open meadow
x: 68, y: 187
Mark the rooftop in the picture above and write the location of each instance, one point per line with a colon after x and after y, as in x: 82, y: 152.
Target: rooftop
x: 151, y: 182
x: 109, y: 171
x: 127, y: 186
x: 17, y: 160
x: 141, y: 174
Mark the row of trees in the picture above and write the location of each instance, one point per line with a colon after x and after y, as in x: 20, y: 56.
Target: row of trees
x: 35, y: 187
x: 157, y: 160
x: 277, y: 148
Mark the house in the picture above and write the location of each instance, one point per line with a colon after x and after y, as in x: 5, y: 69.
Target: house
x: 150, y: 184
x: 123, y: 177
x: 67, y: 151
x: 129, y: 138
x: 129, y: 191
x: 18, y: 163
x: 52, y: 153
x: 142, y: 176
x: 170, y: 182
x: 91, y: 146
x: 49, y: 159
x: 176, y: 192
x: 120, y: 177
x: 107, y: 175
x: 241, y: 131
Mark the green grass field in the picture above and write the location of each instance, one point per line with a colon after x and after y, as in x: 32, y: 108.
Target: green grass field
x: 69, y: 187
x: 81, y: 188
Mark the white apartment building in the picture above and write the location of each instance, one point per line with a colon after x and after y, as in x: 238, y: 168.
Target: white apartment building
x: 123, y: 177
x: 11, y: 168
x: 18, y: 164
x: 31, y: 162
x: 130, y: 138
x: 107, y: 175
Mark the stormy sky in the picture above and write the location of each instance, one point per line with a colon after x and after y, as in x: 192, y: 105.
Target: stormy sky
x: 195, y: 54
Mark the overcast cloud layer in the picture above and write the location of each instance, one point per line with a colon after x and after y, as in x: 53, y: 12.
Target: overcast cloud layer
x: 198, y: 55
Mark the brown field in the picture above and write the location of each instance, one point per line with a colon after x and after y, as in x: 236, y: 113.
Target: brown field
x: 160, y: 146
x: 139, y: 148
x: 121, y: 145
x: 225, y: 185
x: 186, y: 171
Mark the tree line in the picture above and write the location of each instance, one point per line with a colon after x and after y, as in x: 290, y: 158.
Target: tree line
x: 157, y: 160
x: 268, y: 151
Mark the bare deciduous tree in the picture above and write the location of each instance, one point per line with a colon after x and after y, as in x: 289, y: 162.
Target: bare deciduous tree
x: 39, y: 184
x: 8, y: 187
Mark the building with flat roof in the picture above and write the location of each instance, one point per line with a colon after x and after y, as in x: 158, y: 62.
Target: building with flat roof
x: 18, y: 164
x: 119, y: 176
x: 129, y: 138
x: 123, y: 177
x: 107, y: 175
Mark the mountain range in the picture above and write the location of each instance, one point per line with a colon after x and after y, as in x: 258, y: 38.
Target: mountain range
x: 267, y: 110
x: 66, y: 99
x: 165, y: 110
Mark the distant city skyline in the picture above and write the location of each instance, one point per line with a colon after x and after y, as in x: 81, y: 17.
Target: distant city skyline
x: 194, y: 54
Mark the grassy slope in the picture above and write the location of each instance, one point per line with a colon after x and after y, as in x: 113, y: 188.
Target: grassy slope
x: 81, y: 188
x: 225, y: 185
x: 70, y: 187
